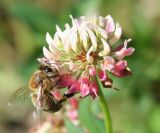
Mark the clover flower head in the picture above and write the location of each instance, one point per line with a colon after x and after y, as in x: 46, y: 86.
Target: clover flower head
x: 85, y: 49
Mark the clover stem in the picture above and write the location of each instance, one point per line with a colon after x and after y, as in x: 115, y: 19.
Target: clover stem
x: 104, y: 107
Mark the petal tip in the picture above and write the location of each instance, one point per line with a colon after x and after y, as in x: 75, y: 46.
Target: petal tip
x: 48, y: 38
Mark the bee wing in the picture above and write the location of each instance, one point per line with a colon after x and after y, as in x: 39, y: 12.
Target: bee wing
x: 20, y: 96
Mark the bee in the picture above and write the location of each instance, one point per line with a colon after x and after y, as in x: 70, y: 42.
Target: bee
x: 41, y: 84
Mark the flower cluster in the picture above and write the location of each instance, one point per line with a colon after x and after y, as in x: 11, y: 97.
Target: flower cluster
x: 87, y: 49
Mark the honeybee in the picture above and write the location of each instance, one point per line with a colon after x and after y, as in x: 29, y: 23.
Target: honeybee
x: 41, y: 83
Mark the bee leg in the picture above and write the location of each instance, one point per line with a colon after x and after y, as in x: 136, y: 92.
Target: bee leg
x: 69, y: 95
x: 66, y: 96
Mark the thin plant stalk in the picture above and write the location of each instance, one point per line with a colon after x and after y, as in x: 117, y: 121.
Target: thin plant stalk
x: 104, y: 107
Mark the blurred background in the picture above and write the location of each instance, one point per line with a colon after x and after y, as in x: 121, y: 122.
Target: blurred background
x: 23, y: 26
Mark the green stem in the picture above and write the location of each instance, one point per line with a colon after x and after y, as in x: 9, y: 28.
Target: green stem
x: 104, y: 107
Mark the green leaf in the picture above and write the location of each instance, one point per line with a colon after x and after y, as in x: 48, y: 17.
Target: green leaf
x: 88, y: 120
x: 72, y: 128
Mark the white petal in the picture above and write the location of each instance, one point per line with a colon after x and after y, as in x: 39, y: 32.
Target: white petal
x: 66, y: 41
x: 106, y: 48
x: 93, y: 39
x: 110, y: 25
x: 59, y: 32
x: 102, y: 32
x: 67, y: 47
x: 88, y: 57
x: 73, y: 20
x: 73, y: 41
x: 117, y: 34
x: 95, y: 20
x: 50, y: 42
x: 83, y: 18
x: 47, y: 53
x: 51, y: 47
x: 118, y: 31
x: 48, y: 38
x: 101, y: 21
x: 67, y: 26
x: 84, y: 37
x: 57, y: 42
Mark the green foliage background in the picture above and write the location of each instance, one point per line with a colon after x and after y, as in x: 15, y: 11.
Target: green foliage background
x: 23, y: 25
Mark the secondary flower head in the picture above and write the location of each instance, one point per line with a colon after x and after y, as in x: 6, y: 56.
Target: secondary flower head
x: 86, y: 49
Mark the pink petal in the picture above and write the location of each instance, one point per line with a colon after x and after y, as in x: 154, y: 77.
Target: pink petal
x: 84, y: 89
x: 121, y: 65
x: 102, y: 75
x: 74, y: 88
x: 129, y: 51
x: 121, y: 73
x: 85, y: 81
x: 124, y: 51
x: 93, y: 90
x: 108, y: 63
x: 92, y: 70
x: 65, y: 81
